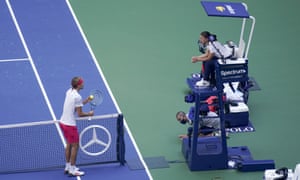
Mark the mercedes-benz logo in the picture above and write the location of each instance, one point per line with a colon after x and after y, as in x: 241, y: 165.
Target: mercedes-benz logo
x: 103, y: 145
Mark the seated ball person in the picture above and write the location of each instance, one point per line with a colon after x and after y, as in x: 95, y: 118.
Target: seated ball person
x: 207, y: 124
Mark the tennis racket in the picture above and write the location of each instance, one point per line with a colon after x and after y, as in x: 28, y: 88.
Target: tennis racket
x: 97, y: 98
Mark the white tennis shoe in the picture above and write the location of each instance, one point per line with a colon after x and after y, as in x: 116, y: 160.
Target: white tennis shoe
x: 74, y: 171
x: 67, y: 168
x: 202, y: 82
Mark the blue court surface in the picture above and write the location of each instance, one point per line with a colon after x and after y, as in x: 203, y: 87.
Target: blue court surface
x: 42, y: 47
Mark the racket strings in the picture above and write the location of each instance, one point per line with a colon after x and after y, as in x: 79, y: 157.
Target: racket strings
x: 98, y: 98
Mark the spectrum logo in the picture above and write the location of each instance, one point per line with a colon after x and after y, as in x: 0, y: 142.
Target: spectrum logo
x: 220, y: 8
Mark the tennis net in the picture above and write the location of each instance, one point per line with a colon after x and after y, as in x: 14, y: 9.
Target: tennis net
x: 39, y: 145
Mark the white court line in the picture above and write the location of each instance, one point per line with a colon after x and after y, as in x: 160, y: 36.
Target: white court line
x: 14, y: 60
x: 108, y: 88
x: 35, y: 72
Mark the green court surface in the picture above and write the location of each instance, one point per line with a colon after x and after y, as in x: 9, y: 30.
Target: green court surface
x: 145, y: 47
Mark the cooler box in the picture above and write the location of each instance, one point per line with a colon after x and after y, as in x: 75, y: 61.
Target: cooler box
x: 237, y: 116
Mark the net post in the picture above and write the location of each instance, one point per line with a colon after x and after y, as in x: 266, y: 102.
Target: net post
x: 120, y: 140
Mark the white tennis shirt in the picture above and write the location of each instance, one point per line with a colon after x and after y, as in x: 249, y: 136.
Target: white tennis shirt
x: 73, y: 99
x: 221, y: 49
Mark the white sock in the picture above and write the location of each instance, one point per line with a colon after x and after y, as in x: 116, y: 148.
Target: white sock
x: 68, y: 165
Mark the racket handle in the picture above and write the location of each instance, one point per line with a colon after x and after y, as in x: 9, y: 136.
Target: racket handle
x: 91, y: 113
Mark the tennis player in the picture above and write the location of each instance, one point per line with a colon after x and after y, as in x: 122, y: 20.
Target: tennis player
x: 72, y: 106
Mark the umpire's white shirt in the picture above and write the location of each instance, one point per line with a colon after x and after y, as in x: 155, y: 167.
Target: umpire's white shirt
x: 221, y: 49
x: 72, y: 100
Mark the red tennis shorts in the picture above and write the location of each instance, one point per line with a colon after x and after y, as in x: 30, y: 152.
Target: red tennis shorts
x: 70, y: 133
